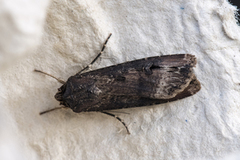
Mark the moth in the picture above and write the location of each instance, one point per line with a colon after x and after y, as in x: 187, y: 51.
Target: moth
x: 137, y: 83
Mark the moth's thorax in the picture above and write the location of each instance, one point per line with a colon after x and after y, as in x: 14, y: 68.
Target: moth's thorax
x: 78, y: 93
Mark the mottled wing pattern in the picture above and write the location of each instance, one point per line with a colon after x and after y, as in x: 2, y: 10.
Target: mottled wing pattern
x: 142, y: 82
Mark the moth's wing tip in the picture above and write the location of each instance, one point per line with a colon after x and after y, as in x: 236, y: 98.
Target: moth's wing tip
x: 191, y: 59
x: 194, y: 85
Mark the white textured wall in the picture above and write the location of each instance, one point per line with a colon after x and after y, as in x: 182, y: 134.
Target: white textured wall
x: 203, y: 126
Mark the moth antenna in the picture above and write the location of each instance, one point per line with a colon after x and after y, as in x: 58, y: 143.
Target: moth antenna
x: 99, y: 54
x: 51, y: 110
x: 59, y: 80
x: 112, y: 115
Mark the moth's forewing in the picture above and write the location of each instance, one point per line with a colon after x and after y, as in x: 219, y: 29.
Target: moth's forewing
x: 137, y: 83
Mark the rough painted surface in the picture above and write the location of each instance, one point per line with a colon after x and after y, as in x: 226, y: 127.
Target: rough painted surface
x: 203, y: 126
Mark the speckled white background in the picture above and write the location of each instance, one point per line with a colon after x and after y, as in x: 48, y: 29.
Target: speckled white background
x: 203, y: 126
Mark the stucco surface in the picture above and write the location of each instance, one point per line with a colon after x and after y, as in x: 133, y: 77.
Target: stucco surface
x: 71, y: 33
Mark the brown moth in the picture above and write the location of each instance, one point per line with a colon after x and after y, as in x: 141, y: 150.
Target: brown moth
x: 137, y: 83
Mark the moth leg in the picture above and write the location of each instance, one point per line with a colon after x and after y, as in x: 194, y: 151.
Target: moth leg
x: 117, y: 119
x: 59, y: 80
x: 99, y: 54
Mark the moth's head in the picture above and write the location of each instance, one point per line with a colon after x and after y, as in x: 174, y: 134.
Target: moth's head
x: 59, y: 95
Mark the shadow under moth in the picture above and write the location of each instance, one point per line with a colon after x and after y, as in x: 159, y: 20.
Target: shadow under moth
x: 137, y: 83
